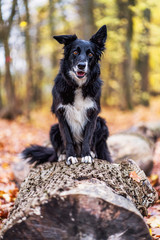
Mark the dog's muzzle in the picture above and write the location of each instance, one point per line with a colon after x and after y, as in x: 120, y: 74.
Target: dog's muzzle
x: 81, y: 69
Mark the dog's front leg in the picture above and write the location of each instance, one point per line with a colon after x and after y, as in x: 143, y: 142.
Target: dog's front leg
x: 88, y: 135
x: 67, y: 138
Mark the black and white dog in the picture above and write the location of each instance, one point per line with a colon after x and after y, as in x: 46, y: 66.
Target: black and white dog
x: 76, y: 103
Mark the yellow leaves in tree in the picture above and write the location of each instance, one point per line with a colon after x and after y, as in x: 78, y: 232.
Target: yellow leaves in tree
x: 23, y: 24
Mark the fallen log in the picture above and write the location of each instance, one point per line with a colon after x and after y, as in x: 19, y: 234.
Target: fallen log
x: 137, y: 143
x: 82, y: 201
x: 150, y: 130
x: 132, y: 145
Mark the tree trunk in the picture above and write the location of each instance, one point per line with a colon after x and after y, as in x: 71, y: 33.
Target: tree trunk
x: 29, y: 85
x: 83, y: 201
x: 126, y: 15
x: 51, y: 19
x: 37, y: 91
x: 143, y: 60
x: 10, y: 110
x: 127, y: 78
x: 86, y: 8
x: 9, y: 86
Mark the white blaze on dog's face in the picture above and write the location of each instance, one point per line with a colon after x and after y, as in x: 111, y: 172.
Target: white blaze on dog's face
x: 81, y: 56
x: 78, y: 75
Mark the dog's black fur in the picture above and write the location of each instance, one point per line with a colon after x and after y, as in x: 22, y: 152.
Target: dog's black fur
x: 76, y: 103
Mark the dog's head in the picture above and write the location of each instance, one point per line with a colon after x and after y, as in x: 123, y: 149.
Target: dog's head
x: 81, y: 56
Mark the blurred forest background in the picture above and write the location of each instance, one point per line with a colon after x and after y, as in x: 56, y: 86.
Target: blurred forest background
x: 29, y: 57
x: 29, y: 61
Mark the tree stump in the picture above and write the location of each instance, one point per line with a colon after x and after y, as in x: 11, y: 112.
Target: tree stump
x: 82, y: 201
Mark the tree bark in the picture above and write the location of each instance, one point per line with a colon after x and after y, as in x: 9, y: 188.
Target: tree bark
x: 83, y: 201
x: 8, y: 111
x: 29, y: 85
x: 86, y: 8
x: 9, y: 86
x: 37, y: 90
x: 143, y: 59
x: 52, y: 24
x: 125, y: 14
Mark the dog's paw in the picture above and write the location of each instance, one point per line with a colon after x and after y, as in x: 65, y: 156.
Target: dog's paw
x: 87, y: 159
x: 61, y: 157
x: 93, y: 155
x: 71, y: 160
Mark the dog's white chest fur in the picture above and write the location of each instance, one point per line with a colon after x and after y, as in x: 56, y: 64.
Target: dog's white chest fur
x: 76, y: 114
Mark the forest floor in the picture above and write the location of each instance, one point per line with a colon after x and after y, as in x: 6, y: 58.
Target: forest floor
x: 16, y: 135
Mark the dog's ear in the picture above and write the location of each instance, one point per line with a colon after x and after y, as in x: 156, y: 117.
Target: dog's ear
x: 100, y: 37
x: 65, y: 39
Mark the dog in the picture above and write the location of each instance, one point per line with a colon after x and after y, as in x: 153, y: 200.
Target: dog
x: 80, y: 132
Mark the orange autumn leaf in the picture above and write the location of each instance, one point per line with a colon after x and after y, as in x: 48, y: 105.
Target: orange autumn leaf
x: 5, y: 165
x: 1, y: 193
x: 134, y: 176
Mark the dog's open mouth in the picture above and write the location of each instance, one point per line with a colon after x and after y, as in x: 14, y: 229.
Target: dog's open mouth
x: 80, y: 74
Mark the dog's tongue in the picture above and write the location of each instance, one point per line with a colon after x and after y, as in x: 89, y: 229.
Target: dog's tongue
x: 80, y: 74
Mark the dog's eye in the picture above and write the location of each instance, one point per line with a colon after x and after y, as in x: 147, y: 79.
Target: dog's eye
x: 90, y: 54
x: 75, y: 53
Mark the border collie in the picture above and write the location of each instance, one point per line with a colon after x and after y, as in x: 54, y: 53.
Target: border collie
x: 80, y: 133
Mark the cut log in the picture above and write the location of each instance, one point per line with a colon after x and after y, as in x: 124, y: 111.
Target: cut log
x: 137, y: 143
x: 135, y: 146
x: 83, y: 201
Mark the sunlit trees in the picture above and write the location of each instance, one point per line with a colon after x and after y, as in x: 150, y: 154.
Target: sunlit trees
x: 130, y: 69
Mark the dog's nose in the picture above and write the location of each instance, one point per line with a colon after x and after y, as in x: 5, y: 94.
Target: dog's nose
x: 81, y: 65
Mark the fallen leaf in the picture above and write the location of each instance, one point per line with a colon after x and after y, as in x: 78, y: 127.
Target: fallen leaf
x: 154, y: 179
x: 5, y: 165
x: 134, y: 176
x: 150, y: 231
